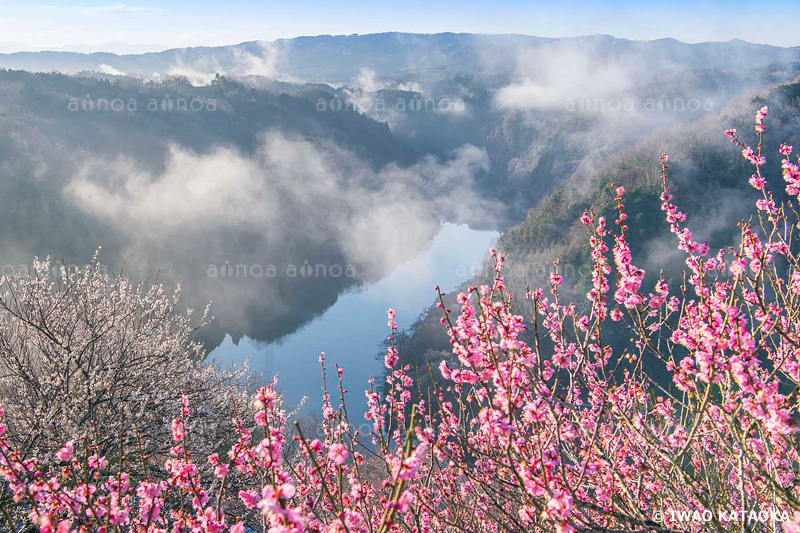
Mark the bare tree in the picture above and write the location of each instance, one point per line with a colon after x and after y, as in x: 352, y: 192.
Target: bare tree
x: 85, y: 355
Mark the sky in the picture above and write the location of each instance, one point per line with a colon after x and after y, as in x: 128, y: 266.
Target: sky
x: 148, y: 25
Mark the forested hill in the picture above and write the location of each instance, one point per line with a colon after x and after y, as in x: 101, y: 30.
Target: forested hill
x: 176, y: 180
x: 709, y: 179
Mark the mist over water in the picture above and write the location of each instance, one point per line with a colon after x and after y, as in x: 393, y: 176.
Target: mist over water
x: 351, y: 332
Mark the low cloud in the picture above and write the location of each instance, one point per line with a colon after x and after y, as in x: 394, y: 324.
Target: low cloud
x: 108, y: 69
x: 262, y: 59
x: 368, y: 81
x: 264, y: 62
x: 294, y: 202
x: 549, y: 77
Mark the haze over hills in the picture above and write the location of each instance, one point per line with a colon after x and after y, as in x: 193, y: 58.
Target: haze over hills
x: 347, y: 151
x: 338, y: 59
x: 708, y: 178
x: 242, y: 177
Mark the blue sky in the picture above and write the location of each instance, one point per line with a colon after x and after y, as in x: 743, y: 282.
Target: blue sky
x: 139, y: 25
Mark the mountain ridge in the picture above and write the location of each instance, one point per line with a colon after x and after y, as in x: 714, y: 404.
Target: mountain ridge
x: 339, y: 58
x: 392, y: 33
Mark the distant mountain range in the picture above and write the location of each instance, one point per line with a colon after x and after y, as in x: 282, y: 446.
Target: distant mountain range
x: 337, y: 59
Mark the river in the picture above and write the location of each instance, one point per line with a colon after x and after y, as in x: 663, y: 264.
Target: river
x: 352, y: 331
